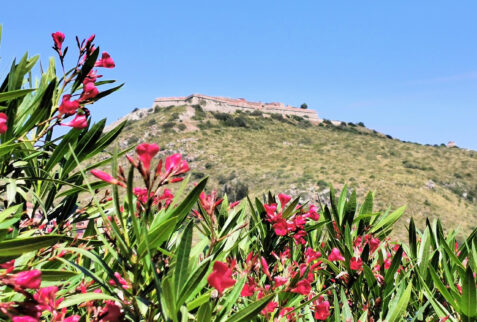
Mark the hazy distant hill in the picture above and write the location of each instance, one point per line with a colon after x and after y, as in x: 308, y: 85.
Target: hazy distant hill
x: 251, y: 153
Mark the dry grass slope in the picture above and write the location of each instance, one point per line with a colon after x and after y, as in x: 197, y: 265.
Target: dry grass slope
x: 249, y: 153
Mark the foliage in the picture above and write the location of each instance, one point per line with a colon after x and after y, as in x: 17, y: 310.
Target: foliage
x: 143, y: 253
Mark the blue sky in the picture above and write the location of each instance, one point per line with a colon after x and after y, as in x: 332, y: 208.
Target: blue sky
x: 407, y: 68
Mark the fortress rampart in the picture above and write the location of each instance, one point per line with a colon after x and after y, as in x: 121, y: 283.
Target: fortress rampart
x: 219, y: 104
x: 230, y: 105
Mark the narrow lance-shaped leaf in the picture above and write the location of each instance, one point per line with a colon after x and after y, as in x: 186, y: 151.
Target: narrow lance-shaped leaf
x: 468, y: 301
x: 182, y: 258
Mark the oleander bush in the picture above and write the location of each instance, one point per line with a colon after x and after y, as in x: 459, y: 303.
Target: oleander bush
x: 83, y: 241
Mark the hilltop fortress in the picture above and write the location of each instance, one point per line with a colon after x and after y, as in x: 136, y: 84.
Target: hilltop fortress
x: 230, y: 105
x: 219, y: 104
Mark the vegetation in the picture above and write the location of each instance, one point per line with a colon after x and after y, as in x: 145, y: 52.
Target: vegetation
x: 294, y: 156
x: 153, y: 247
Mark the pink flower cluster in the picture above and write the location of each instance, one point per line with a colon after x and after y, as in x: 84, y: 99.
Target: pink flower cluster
x: 69, y: 107
x: 32, y: 308
x: 295, y: 225
x: 174, y: 167
x: 3, y: 123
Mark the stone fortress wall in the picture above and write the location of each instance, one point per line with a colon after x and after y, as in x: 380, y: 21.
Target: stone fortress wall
x: 219, y: 104
x: 230, y: 105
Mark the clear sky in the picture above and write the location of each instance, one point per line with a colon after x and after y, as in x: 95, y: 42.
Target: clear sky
x: 405, y: 68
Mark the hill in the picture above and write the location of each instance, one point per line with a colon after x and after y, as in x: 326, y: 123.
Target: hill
x: 251, y: 152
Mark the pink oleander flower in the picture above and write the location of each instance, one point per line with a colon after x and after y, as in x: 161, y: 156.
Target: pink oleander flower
x: 89, y: 91
x: 78, y: 122
x: 249, y: 288
x: 279, y: 281
x: 68, y: 107
x: 73, y: 318
x: 105, y: 61
x: 271, y: 306
x: 111, y: 312
x: 303, y: 287
x: 335, y: 255
x: 167, y: 196
x: 311, y: 255
x: 89, y: 41
x: 322, y: 309
x: 58, y: 38
x: 234, y: 204
x: 146, y: 152
x: 8, y: 266
x: 24, y: 319
x: 356, y: 263
x: 141, y: 194
x: 284, y: 199
x: 285, y: 312
x: 175, y: 165
x: 280, y: 227
x: 357, y: 242
x: 46, y: 298
x: 3, y: 123
x: 221, y: 277
x: 106, y: 177
x: 271, y: 208
x: 265, y: 267
x: 313, y: 213
x: 299, y: 221
x: 28, y: 279
x: 121, y: 281
x: 373, y: 242
x: 91, y: 77
x: 208, y: 202
x: 299, y: 237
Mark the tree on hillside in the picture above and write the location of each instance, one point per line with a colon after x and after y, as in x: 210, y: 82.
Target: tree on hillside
x: 304, y: 106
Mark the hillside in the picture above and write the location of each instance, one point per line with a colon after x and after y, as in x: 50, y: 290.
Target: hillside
x: 251, y: 153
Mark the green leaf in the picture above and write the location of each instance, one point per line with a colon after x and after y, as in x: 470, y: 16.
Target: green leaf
x: 84, y: 297
x: 440, y: 286
x: 412, y: 238
x: 87, y: 67
x: 350, y: 209
x: 341, y: 204
x: 107, y: 92
x: 251, y: 310
x: 57, y: 275
x: 291, y: 208
x: 394, y: 267
x: 182, y: 258
x: 389, y: 220
x: 468, y: 301
x: 199, y: 301
x: 11, y: 95
x: 106, y: 140
x: 158, y: 235
x: 20, y: 246
x: 205, y: 312
x: 167, y: 298
x: 185, y: 207
x: 7, y: 212
x: 232, y: 297
x: 192, y: 283
x: 395, y: 314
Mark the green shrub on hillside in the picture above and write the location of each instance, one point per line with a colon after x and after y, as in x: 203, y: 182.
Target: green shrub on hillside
x: 199, y: 113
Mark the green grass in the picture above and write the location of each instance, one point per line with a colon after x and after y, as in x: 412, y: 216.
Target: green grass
x: 288, y: 155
